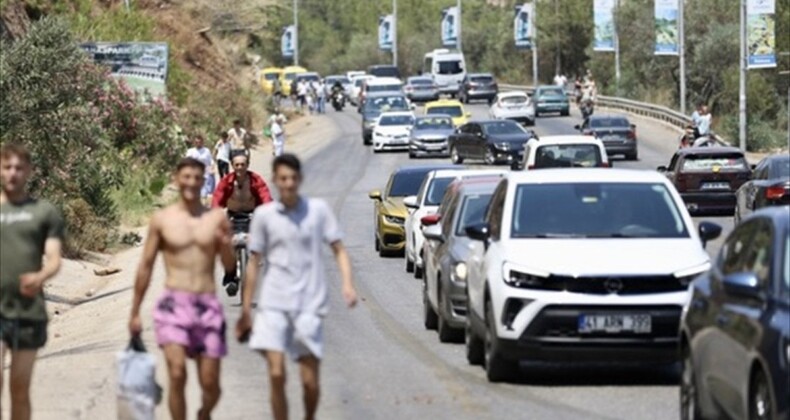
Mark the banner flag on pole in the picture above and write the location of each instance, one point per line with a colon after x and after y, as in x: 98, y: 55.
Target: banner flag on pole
x: 288, y: 41
x: 603, y: 17
x: 523, y: 29
x: 450, y: 19
x: 386, y: 29
x: 666, y: 17
x: 761, y: 33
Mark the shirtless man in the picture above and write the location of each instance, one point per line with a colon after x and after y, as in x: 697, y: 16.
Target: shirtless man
x: 188, y: 318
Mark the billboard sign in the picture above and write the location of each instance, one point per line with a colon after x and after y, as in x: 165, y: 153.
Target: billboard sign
x: 142, y: 65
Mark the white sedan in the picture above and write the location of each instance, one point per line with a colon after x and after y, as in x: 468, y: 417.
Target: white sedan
x: 391, y: 131
x: 513, y: 106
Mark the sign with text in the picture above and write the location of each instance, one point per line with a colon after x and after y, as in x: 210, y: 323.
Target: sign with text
x: 142, y: 65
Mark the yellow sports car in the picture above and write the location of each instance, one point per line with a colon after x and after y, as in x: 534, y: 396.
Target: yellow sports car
x: 390, y: 212
x: 455, y: 109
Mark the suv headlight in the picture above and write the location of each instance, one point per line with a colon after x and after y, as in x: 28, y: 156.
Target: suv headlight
x: 503, y: 146
x: 368, y: 124
x: 377, y: 133
x: 525, y: 280
x: 686, y: 276
x: 460, y: 272
x: 394, y: 220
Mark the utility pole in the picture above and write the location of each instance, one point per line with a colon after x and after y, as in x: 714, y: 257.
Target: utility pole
x: 616, y: 48
x: 742, y: 82
x: 296, y: 32
x: 460, y: 34
x: 395, y: 33
x: 682, y: 55
x: 127, y: 4
x: 535, y: 78
x: 558, y: 58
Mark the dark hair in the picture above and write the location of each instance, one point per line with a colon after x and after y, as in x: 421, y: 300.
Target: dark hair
x: 189, y: 162
x: 238, y: 153
x: 15, y: 149
x: 236, y: 122
x: 289, y: 161
x: 224, y: 135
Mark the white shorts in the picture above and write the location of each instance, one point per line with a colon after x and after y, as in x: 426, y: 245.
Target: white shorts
x: 298, y: 334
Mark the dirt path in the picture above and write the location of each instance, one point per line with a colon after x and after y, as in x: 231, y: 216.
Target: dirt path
x: 75, y: 373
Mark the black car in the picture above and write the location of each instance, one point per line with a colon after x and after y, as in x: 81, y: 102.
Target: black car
x: 375, y: 104
x: 735, y: 331
x: 493, y: 141
x: 769, y: 186
x: 616, y: 132
x: 384, y: 70
x: 478, y: 86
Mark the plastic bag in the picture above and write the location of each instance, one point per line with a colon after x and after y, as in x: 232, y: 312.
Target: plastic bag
x: 138, y: 392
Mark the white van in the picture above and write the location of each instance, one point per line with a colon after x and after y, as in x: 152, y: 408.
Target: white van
x: 448, y: 69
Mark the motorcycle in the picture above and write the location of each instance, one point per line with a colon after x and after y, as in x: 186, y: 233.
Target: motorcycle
x: 240, y: 224
x: 338, y: 101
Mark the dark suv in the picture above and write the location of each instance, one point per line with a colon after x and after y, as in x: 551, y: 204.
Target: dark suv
x: 384, y: 70
x: 707, y: 177
x: 478, y: 86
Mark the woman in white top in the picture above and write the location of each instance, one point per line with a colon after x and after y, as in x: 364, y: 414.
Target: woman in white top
x: 222, y: 155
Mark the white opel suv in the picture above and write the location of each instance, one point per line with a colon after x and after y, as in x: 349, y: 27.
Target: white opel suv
x: 589, y: 265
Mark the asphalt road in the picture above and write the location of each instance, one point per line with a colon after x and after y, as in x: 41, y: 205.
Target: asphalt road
x: 381, y: 363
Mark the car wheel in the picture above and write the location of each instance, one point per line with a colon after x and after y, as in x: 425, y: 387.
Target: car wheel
x: 632, y: 156
x: 565, y: 113
x: 409, y: 265
x: 447, y: 334
x: 366, y: 141
x: 455, y: 157
x: 430, y: 320
x: 475, y: 347
x: 411, y: 155
x: 489, y: 157
x: 761, y: 402
x: 418, y: 272
x: 689, y: 401
x: 376, y: 245
x: 537, y: 114
x: 530, y: 122
x: 497, y: 368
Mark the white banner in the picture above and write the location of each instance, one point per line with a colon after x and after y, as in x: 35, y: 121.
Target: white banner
x: 761, y: 33
x: 666, y: 22
x: 603, y: 16
x: 288, y: 41
x: 386, y: 31
x: 523, y: 26
x: 450, y: 20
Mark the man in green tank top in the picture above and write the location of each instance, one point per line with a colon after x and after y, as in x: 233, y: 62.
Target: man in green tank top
x: 31, y: 232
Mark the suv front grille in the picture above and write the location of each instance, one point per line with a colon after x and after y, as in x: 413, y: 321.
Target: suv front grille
x: 621, y: 285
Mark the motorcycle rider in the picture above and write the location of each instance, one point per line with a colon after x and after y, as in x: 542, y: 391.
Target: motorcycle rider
x: 337, y: 87
x: 240, y: 192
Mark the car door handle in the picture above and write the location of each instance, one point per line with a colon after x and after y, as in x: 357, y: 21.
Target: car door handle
x: 723, y: 319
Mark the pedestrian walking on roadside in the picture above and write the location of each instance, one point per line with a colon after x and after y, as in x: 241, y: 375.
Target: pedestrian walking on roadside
x: 286, y: 237
x: 695, y: 119
x: 277, y: 92
x: 202, y: 154
x: 31, y: 237
x: 703, y: 126
x: 278, y: 135
x: 301, y: 94
x: 239, y: 140
x: 320, y: 91
x: 222, y: 155
x: 188, y: 318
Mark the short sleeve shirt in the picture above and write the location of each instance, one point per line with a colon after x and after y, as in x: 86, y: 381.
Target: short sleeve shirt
x: 290, y: 242
x: 24, y: 228
x: 237, y: 139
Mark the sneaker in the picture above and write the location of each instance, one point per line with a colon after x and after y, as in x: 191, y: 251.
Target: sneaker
x: 232, y: 288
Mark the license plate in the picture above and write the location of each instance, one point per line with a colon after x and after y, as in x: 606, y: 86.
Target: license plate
x: 612, y: 138
x: 716, y: 186
x: 613, y: 324
x: 434, y: 147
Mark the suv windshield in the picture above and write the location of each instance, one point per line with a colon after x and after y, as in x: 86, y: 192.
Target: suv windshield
x: 714, y: 163
x: 567, y: 156
x: 473, y: 211
x: 503, y: 127
x: 514, y: 100
x: 271, y: 76
x: 383, y: 88
x: 420, y: 82
x: 451, y: 110
x: 386, y: 103
x: 450, y: 67
x: 780, y: 168
x: 436, y: 191
x: 482, y: 79
x: 609, y: 122
x: 596, y: 210
x: 396, y: 120
x: 332, y: 80
x: 433, y: 123
x: 551, y: 92
x: 406, y: 183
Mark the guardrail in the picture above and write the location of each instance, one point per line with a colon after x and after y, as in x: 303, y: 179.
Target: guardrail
x: 657, y: 112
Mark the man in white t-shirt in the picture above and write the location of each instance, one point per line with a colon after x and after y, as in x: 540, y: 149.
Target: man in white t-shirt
x: 202, y: 154
x: 301, y: 93
x: 237, y: 136
x: 222, y: 155
x: 278, y: 135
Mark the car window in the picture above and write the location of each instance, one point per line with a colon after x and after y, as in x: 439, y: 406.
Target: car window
x: 568, y: 155
x: 421, y: 82
x: 482, y: 79
x: 503, y: 127
x: 714, y: 163
x: 598, y: 210
x: 551, y: 92
x: 389, y: 120
x: 609, y: 123
x: 757, y: 255
x: 447, y: 210
x: 383, y: 88
x: 779, y: 168
x: 673, y: 163
x: 386, y: 103
x: 271, y: 76
x: 433, y: 123
x: 436, y: 191
x: 450, y: 67
x: 785, y: 284
x: 406, y: 183
x: 473, y: 210
x: 451, y: 110
x: 514, y: 100
x: 732, y: 255
x: 495, y: 211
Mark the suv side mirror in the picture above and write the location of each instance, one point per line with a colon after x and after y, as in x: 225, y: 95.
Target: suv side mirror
x: 577, y: 127
x: 411, y: 202
x: 708, y: 231
x: 478, y: 231
x: 661, y: 168
x: 433, y: 233
x: 744, y: 284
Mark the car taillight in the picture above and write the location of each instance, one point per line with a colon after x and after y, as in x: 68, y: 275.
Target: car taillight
x: 680, y: 182
x: 531, y: 167
x: 775, y: 192
x: 469, y: 85
x: 604, y: 164
x: 632, y: 135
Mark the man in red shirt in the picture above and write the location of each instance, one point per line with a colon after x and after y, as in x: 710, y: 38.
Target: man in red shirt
x: 240, y: 192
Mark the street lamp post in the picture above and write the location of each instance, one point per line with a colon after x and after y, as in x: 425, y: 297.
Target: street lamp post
x: 742, y: 82
x: 395, y: 33
x: 460, y: 19
x: 616, y: 49
x: 682, y: 55
x: 535, y: 77
x: 296, y: 32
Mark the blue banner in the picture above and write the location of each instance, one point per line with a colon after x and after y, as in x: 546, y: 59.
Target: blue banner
x: 386, y: 32
x: 450, y: 20
x: 288, y: 41
x: 761, y: 33
x: 523, y: 26
x: 666, y: 17
x: 603, y: 16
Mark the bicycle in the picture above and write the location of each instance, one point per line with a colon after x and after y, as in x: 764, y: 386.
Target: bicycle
x: 240, y: 225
